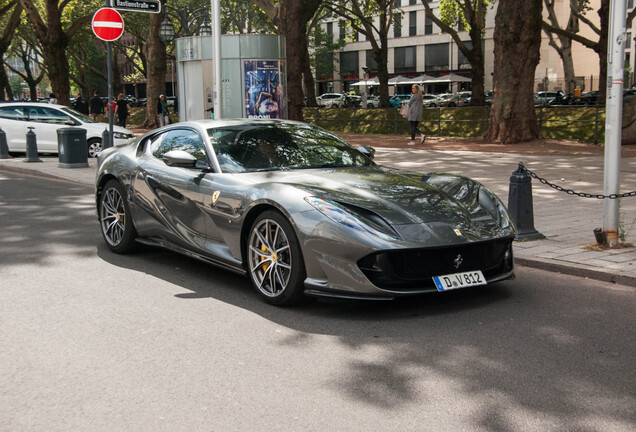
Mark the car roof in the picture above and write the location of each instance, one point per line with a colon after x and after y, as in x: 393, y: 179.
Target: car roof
x: 33, y: 104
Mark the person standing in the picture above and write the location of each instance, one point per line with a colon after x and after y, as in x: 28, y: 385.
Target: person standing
x: 121, y: 109
x: 416, y: 108
x: 80, y: 104
x: 52, y: 99
x: 162, y: 109
x: 97, y: 106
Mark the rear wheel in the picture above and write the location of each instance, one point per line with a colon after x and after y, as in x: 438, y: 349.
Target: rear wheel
x: 94, y: 147
x: 114, y: 219
x: 275, y: 260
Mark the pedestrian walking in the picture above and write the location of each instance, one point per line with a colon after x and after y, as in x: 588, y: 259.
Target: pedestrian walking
x: 162, y: 109
x: 80, y: 104
x: 416, y: 108
x: 121, y: 109
x: 97, y: 106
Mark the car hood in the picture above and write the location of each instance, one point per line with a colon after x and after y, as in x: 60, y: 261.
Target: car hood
x: 410, y: 202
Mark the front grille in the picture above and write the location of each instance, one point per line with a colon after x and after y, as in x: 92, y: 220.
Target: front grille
x: 411, y: 269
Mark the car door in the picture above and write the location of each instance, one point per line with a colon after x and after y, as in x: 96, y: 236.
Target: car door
x: 168, y: 199
x: 13, y: 122
x: 46, y: 121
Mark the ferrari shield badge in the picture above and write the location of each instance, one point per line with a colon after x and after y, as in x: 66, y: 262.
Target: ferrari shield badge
x: 458, y: 232
x: 215, y: 196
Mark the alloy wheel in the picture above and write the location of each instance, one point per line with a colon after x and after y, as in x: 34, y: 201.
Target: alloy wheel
x: 270, y: 258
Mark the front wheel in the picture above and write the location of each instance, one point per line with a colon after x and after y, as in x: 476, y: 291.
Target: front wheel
x: 114, y: 219
x: 94, y: 147
x: 275, y: 260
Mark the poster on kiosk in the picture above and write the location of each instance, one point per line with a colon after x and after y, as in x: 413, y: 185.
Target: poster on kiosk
x: 264, y: 94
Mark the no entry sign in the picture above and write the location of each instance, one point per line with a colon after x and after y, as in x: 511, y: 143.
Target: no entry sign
x: 107, y: 24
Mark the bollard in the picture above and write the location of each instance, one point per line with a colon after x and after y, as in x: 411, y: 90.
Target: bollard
x: 31, y: 146
x: 4, y: 148
x: 106, y: 139
x: 520, y: 205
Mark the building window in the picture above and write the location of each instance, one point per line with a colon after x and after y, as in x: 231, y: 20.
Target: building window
x: 371, y: 63
x: 330, y: 28
x: 436, y: 57
x: 462, y: 60
x: 412, y: 2
x: 324, y: 66
x: 630, y: 4
x: 628, y: 40
x: 428, y: 26
x: 397, y: 25
x: 341, y: 26
x: 404, y: 61
x: 412, y: 23
x: 349, y: 63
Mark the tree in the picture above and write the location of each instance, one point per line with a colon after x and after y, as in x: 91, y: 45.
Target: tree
x: 291, y: 18
x: 241, y: 16
x: 373, y: 19
x: 27, y: 51
x: 10, y: 14
x: 599, y: 46
x: 54, y: 34
x: 156, y: 70
x: 517, y: 30
x: 322, y: 60
x: 472, y: 15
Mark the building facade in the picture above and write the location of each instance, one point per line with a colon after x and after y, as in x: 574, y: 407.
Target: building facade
x: 417, y: 46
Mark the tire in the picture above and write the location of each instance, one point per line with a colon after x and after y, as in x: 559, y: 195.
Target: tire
x: 94, y: 147
x: 115, y: 220
x: 432, y: 105
x: 275, y: 261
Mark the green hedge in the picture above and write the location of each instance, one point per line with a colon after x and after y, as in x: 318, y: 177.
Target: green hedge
x: 577, y: 122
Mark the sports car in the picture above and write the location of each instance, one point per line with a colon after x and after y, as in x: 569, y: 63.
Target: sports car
x: 300, y: 211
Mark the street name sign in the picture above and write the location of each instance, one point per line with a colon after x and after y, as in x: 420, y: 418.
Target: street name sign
x: 107, y: 24
x: 149, y: 6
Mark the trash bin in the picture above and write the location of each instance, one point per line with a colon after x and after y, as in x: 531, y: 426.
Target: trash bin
x: 72, y: 149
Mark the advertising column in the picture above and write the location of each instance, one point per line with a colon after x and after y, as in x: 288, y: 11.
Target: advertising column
x: 264, y: 84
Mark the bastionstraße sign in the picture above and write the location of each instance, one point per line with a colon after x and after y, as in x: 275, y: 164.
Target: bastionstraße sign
x: 149, y: 6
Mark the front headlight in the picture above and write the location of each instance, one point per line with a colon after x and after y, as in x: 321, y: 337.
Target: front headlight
x: 347, y: 217
x: 122, y: 135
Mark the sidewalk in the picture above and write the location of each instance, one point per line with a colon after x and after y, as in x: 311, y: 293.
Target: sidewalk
x: 567, y: 221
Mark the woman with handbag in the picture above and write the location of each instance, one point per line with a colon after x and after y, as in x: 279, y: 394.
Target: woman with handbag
x: 416, y: 108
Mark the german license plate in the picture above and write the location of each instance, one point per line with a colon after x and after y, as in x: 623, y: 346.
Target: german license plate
x: 459, y: 280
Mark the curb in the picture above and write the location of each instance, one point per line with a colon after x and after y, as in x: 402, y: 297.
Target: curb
x: 34, y: 173
x: 577, y: 270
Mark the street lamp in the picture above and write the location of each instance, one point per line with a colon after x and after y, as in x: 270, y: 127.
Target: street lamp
x: 166, y: 31
x: 366, y: 71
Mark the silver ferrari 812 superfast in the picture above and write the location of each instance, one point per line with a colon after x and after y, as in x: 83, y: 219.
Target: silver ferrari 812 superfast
x: 300, y: 211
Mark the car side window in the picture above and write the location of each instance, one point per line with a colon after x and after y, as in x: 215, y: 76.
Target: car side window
x: 179, y: 139
x: 47, y: 115
x: 12, y: 113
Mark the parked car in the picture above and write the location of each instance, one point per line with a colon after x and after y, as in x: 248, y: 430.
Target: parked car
x: 488, y: 97
x: 353, y: 101
x: 544, y: 98
x: 451, y: 100
x: 46, y: 119
x: 331, y: 100
x: 373, y: 101
x: 397, y: 100
x: 301, y: 212
x: 430, y: 100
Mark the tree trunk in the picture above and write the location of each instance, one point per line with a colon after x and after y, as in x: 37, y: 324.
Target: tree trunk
x: 568, y: 64
x: 156, y: 57
x: 476, y: 67
x: 517, y: 30
x: 603, y: 13
x: 293, y: 26
x: 308, y: 78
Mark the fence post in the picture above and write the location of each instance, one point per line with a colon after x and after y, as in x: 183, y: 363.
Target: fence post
x: 596, y: 127
x: 355, y: 125
x: 541, y: 119
x: 395, y: 119
x: 439, y: 121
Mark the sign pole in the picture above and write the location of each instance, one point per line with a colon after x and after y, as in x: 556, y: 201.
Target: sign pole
x: 109, y: 105
x: 613, y: 119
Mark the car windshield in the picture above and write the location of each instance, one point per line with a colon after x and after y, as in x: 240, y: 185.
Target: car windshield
x: 249, y: 148
x: 82, y: 117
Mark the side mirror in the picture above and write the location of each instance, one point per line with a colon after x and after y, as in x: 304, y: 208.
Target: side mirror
x: 367, y: 151
x: 179, y: 158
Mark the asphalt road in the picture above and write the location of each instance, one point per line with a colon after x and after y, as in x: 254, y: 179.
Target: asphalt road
x: 94, y: 341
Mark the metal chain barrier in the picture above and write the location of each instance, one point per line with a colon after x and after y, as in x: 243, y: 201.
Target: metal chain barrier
x: 522, y: 168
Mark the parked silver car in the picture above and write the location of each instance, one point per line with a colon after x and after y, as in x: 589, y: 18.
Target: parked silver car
x: 331, y: 100
x: 301, y: 212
